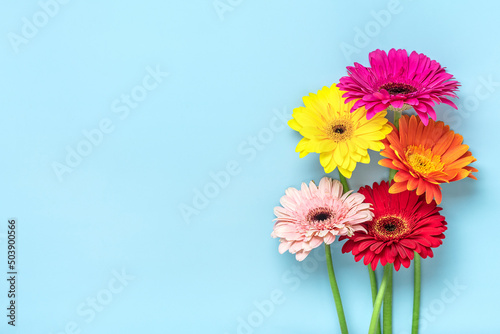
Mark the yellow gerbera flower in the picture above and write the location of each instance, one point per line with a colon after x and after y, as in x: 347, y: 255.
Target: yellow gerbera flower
x: 341, y: 138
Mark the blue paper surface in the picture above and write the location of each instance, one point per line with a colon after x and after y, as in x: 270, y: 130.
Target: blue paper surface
x: 144, y: 146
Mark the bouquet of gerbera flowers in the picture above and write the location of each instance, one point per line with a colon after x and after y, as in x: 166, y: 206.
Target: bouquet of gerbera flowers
x: 392, y: 222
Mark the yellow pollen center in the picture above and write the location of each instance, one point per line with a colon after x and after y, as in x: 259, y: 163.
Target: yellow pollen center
x: 422, y: 160
x: 340, y: 129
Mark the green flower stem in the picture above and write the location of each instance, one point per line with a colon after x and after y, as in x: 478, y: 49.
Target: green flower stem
x: 416, y: 294
x: 344, y: 182
x: 373, y: 284
x: 397, y: 116
x: 378, y: 300
x: 392, y: 173
x: 335, y: 290
x: 387, y: 318
x: 371, y: 273
x: 417, y: 263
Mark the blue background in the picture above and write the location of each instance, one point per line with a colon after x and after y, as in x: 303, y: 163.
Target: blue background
x: 216, y: 269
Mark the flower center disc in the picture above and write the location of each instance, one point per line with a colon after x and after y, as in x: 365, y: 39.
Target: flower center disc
x: 319, y: 216
x: 395, y: 88
x: 390, y: 227
x: 340, y: 130
x: 422, y: 160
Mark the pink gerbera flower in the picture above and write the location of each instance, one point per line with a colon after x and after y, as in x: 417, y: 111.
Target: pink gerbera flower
x: 398, y: 82
x: 317, y: 214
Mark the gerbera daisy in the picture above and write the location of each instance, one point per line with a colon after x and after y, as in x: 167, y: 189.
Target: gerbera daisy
x: 403, y: 223
x: 341, y: 138
x: 317, y: 214
x: 399, y: 82
x: 426, y: 156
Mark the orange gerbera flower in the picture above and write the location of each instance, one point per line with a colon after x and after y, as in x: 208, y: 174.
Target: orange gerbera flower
x: 426, y: 156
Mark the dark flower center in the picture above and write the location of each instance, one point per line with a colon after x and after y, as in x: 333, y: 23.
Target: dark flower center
x: 339, y: 129
x: 319, y: 215
x: 390, y: 227
x: 395, y: 88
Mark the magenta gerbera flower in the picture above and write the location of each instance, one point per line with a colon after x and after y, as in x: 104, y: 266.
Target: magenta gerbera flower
x: 317, y: 214
x: 398, y: 82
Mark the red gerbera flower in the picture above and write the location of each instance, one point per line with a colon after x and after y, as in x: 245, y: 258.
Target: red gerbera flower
x: 399, y: 82
x: 403, y: 223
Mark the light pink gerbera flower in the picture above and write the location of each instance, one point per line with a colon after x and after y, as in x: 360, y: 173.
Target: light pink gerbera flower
x: 398, y: 82
x: 317, y: 214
